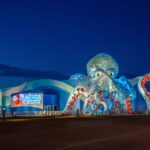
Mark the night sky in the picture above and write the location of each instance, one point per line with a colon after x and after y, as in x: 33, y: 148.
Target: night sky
x: 63, y: 35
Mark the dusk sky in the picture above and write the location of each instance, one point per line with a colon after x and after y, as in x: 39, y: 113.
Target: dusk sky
x: 63, y: 35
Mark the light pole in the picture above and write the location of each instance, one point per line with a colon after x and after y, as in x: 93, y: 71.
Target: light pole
x: 3, y: 112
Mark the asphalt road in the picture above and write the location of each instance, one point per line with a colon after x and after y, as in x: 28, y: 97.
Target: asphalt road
x: 123, y: 133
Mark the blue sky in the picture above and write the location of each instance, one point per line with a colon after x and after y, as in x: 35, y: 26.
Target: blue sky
x: 63, y: 35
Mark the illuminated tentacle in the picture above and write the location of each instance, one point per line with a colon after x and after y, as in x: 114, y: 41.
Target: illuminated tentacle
x: 74, y: 100
x: 77, y: 93
x: 142, y: 88
x: 95, y: 106
x: 129, y: 105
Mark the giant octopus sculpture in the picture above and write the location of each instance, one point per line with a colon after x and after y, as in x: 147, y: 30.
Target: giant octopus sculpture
x: 102, y: 92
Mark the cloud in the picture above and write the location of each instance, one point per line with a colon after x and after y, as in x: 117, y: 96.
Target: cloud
x: 6, y: 70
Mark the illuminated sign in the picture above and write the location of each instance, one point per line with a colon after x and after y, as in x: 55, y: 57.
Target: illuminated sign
x: 28, y: 100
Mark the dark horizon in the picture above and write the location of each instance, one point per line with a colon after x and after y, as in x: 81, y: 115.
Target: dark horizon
x: 12, y: 71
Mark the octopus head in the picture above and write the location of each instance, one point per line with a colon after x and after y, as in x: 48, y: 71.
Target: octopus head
x: 102, y: 63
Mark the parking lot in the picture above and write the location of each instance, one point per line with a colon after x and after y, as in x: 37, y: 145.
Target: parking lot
x: 124, y: 132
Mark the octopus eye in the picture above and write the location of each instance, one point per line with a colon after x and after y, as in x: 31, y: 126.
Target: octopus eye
x: 98, y: 74
x: 82, y: 90
x: 78, y: 89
